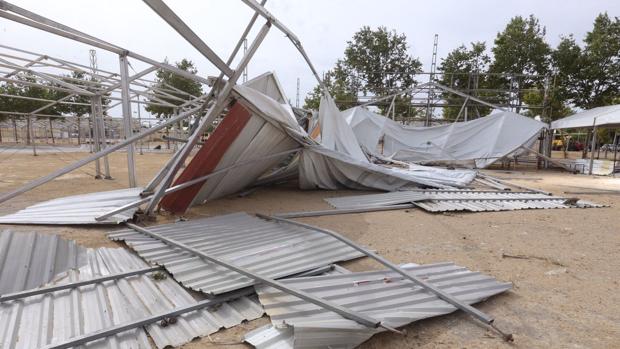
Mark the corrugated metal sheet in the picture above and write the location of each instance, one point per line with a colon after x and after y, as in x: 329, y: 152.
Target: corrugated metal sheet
x: 268, y: 248
x: 384, y: 295
x: 29, y: 260
x: 270, y: 337
x: 242, y: 135
x: 78, y: 209
x: 53, y: 318
x: 459, y: 200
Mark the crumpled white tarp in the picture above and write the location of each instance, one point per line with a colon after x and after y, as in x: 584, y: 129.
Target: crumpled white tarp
x: 338, y: 161
x: 477, y: 143
x: 336, y: 134
x: 601, y: 116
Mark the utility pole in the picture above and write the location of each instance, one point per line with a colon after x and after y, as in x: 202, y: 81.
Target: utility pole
x: 431, y: 77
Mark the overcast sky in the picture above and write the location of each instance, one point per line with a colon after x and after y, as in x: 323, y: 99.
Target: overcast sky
x: 323, y: 26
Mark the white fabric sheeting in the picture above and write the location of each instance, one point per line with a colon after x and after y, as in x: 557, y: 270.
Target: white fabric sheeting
x: 336, y: 134
x: 601, y: 116
x: 338, y: 162
x: 476, y: 143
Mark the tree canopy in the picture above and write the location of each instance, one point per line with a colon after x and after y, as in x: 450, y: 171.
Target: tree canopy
x: 376, y: 63
x: 173, y: 84
x: 520, y: 68
x: 461, y: 70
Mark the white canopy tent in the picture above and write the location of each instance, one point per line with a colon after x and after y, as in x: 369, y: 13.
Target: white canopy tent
x: 608, y: 116
x: 602, y: 116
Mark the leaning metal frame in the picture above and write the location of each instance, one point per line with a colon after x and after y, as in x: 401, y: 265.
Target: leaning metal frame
x: 49, y: 73
x: 508, y: 96
x: 220, y: 99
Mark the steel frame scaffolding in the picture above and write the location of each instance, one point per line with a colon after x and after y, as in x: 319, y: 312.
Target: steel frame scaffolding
x: 206, y: 108
x: 422, y: 103
x: 25, y: 68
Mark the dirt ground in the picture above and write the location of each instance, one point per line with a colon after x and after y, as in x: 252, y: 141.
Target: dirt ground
x: 565, y: 291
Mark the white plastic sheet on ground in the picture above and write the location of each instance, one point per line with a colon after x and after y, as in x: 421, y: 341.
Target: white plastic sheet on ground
x: 601, y: 116
x: 477, y: 143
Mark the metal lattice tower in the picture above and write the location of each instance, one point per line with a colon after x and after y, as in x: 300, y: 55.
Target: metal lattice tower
x: 431, y: 77
x: 93, y: 60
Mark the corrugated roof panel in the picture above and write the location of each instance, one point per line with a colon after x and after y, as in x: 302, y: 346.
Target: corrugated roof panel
x: 53, y: 318
x: 459, y: 200
x: 78, y: 209
x: 383, y: 295
x: 29, y: 260
x: 264, y: 247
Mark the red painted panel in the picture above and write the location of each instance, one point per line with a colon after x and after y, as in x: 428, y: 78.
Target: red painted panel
x: 207, y: 158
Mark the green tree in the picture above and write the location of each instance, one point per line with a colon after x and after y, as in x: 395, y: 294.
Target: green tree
x: 521, y: 51
x: 164, y: 79
x: 376, y: 63
x: 590, y: 77
x: 461, y: 70
x: 338, y: 85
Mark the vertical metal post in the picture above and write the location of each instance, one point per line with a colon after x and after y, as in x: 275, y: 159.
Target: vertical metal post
x: 94, y: 136
x: 15, y: 130
x: 139, y: 125
x: 79, y: 129
x: 245, y: 70
x: 102, y: 144
x: 52, y: 130
x: 126, y: 106
x: 616, y: 137
x: 297, y: 95
x: 592, y: 149
x: 31, y: 136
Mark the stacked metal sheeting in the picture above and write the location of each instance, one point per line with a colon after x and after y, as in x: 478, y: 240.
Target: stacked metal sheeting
x: 383, y: 295
x: 459, y: 200
x: 78, y: 209
x: 53, y: 318
x: 264, y: 247
x: 29, y: 260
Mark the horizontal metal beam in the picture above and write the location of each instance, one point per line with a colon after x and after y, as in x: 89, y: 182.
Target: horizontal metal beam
x: 338, y: 309
x: 42, y: 180
x: 110, y: 331
x: 416, y: 280
x: 44, y: 290
x: 192, y: 182
x: 69, y: 33
x: 184, y: 30
x: 343, y: 211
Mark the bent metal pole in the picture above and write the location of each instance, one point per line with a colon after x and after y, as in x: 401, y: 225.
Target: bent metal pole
x: 192, y: 182
x: 215, y: 110
x: 425, y: 285
x: 336, y: 308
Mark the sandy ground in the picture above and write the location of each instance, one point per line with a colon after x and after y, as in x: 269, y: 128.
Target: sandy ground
x: 565, y: 289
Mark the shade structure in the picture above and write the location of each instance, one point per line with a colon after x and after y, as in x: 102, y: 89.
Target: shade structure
x: 601, y: 116
x: 477, y: 143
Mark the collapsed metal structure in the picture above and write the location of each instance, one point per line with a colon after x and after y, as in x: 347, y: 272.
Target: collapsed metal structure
x: 224, y: 257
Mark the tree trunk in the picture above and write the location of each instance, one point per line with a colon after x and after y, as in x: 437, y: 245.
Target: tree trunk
x: 52, y: 131
x: 15, y: 130
x: 79, y: 131
x: 28, y: 136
